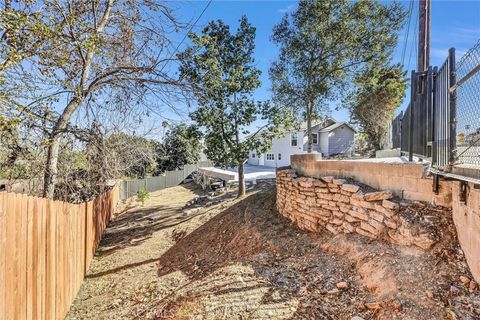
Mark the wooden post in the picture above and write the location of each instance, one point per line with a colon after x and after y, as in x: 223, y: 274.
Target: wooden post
x: 424, y: 35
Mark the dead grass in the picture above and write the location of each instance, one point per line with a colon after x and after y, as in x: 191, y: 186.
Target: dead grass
x: 240, y: 260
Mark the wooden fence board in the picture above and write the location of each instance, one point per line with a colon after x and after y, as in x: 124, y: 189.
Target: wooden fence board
x: 10, y: 231
x: 45, y: 249
x: 41, y: 255
x: 60, y: 239
x: 51, y: 253
x: 30, y: 243
x: 21, y: 257
x: 3, y: 207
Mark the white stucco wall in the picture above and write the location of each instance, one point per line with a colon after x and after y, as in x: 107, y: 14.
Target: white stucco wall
x: 324, y: 143
x: 253, y: 161
x: 280, y: 146
x: 341, y: 140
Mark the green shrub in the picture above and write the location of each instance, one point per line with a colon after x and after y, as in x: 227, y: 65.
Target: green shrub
x: 143, y: 195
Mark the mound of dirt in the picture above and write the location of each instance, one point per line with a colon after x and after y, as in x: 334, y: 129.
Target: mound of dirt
x: 240, y: 259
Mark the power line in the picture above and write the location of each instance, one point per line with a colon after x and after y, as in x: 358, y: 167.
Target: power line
x: 415, y: 43
x: 407, y: 34
x: 186, y: 34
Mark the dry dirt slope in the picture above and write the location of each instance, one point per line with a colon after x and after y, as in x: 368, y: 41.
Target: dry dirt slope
x: 241, y: 260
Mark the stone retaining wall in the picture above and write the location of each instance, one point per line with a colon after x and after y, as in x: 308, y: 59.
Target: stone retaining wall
x: 341, y: 206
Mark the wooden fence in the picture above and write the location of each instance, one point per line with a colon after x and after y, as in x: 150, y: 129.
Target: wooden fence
x: 46, y: 247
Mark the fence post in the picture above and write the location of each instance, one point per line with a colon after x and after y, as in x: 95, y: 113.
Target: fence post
x: 434, y: 115
x: 413, y: 83
x: 453, y: 107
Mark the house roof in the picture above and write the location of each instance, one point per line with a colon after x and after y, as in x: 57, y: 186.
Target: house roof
x: 335, y: 126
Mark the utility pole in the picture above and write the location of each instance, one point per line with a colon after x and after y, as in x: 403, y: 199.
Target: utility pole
x: 424, y: 35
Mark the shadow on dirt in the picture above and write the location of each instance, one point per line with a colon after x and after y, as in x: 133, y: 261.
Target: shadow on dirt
x: 247, y: 228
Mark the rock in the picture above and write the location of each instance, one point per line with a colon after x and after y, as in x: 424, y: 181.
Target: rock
x: 429, y: 294
x: 350, y: 188
x: 378, y: 196
x: 342, y: 285
x: 358, y: 195
x: 357, y: 214
x: 464, y: 280
x: 390, y: 205
x: 390, y: 223
x: 327, y: 179
x: 365, y: 233
x: 376, y: 216
x: 431, y: 220
x: 373, y: 305
x: 361, y: 307
x: 305, y: 182
x: 333, y: 292
x: 396, y: 305
x: 455, y: 291
x: 369, y: 228
x: 347, y: 227
x: 472, y: 285
x: 451, y: 314
x: 339, y: 182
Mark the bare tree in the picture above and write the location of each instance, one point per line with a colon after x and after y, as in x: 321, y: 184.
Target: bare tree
x: 105, y: 53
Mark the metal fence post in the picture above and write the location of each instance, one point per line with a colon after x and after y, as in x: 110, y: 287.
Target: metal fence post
x: 413, y: 88
x: 434, y: 115
x: 453, y: 107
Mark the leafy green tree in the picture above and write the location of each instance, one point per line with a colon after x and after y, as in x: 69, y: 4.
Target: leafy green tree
x: 181, y: 146
x: 322, y: 43
x: 379, y: 91
x: 220, y: 67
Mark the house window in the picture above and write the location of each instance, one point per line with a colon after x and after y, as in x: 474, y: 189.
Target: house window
x: 253, y: 155
x: 279, y: 156
x: 315, y: 138
x: 294, y: 140
x: 270, y: 156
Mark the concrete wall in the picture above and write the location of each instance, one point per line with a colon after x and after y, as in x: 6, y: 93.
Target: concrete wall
x: 466, y: 217
x: 405, y: 180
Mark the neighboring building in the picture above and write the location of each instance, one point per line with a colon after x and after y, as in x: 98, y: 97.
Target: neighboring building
x: 330, y: 138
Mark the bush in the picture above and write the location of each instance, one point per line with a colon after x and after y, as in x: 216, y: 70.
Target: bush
x: 143, y: 195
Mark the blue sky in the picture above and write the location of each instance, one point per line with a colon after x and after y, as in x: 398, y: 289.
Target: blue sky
x: 454, y: 24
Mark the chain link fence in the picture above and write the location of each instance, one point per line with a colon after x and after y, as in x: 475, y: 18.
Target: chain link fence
x: 467, y: 90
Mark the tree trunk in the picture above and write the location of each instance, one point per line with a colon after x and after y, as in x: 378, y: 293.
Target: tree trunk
x: 241, y: 180
x: 309, y: 127
x: 51, y: 167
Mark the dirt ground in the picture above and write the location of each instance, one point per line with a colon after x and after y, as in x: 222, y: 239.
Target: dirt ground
x: 238, y: 259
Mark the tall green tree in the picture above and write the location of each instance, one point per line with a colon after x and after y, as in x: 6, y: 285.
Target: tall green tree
x: 182, y: 145
x: 379, y: 91
x: 220, y: 67
x: 322, y: 43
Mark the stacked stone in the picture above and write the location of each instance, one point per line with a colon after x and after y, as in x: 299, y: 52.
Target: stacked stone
x: 339, y: 207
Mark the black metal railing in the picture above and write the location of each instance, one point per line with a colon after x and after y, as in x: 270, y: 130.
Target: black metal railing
x: 442, y: 120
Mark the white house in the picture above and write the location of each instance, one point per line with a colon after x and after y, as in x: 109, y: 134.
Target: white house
x: 330, y: 139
